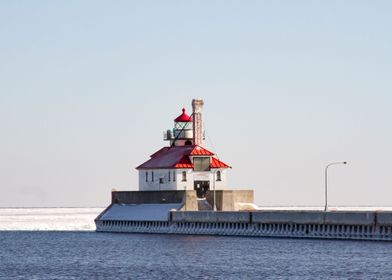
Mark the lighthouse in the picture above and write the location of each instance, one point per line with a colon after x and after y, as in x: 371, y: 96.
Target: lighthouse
x: 184, y: 164
x: 182, y: 190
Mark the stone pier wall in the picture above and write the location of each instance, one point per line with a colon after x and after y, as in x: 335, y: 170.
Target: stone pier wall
x: 365, y: 218
x: 226, y: 200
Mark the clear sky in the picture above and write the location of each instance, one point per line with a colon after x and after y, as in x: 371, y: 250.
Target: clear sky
x: 88, y: 87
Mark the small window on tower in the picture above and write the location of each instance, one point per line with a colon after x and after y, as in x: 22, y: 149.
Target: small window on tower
x: 218, y: 176
x: 146, y: 176
x: 184, y: 176
x: 169, y: 176
x: 152, y: 176
x: 174, y: 176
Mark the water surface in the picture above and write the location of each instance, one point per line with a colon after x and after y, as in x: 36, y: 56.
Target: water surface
x: 90, y: 255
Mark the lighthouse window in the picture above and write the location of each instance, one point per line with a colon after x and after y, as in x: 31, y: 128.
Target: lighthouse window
x: 218, y: 176
x: 174, y: 176
x: 184, y: 176
x: 146, y: 176
x: 169, y: 176
x: 152, y: 176
x: 201, y: 164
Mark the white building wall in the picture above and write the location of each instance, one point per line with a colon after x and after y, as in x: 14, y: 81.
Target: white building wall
x: 178, y: 183
x: 184, y: 185
x: 211, y: 176
x: 219, y: 185
x: 155, y: 185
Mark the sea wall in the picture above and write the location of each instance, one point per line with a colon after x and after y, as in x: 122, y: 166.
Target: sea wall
x: 147, y: 197
x: 354, y: 225
x: 285, y: 217
x: 210, y: 217
x: 187, y: 198
x: 315, y: 217
x: 384, y: 218
x: 226, y: 200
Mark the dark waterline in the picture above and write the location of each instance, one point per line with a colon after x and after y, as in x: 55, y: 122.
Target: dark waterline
x: 90, y: 255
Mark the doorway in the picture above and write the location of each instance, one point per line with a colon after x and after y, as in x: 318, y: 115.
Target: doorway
x: 201, y: 187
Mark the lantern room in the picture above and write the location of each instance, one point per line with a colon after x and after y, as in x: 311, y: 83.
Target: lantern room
x: 182, y: 133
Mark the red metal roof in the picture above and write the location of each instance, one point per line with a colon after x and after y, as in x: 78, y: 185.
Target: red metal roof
x: 183, y: 117
x: 185, y: 162
x: 216, y: 163
x: 200, y: 151
x: 179, y: 157
x: 159, y: 151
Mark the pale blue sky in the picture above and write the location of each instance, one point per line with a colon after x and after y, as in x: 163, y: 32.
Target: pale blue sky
x: 87, y: 87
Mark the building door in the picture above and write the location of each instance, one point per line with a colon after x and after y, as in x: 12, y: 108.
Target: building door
x: 201, y: 187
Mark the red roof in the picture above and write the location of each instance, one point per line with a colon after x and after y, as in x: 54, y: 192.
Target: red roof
x: 185, y: 162
x: 216, y: 163
x: 183, y: 117
x: 179, y: 157
x: 199, y: 151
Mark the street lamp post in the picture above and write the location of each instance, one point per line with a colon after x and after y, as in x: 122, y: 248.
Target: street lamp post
x: 214, y: 178
x: 326, y: 182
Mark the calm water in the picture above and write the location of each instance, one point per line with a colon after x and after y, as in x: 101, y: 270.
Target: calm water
x: 90, y: 255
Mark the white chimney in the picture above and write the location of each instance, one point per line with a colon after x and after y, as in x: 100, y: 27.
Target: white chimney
x: 197, y: 106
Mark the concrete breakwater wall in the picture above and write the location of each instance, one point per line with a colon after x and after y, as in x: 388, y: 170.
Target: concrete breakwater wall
x: 287, y: 217
x: 293, y: 224
x: 226, y: 200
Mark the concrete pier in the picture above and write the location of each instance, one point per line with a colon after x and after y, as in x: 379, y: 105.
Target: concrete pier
x: 226, y: 200
x: 180, y: 212
x: 292, y: 224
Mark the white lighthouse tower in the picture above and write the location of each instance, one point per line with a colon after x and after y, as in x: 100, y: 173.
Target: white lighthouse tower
x: 185, y: 164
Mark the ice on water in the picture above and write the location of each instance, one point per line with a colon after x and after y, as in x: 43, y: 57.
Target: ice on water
x: 62, y: 219
x: 82, y: 219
